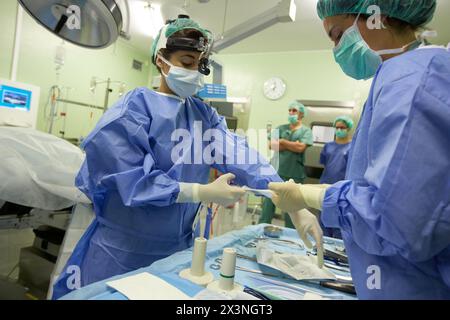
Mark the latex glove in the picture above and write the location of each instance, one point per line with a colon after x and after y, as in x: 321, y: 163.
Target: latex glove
x: 291, y: 197
x: 219, y: 191
x: 306, y: 223
x: 287, y: 196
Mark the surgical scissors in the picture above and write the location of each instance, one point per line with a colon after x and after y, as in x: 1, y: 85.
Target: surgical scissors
x: 252, y: 244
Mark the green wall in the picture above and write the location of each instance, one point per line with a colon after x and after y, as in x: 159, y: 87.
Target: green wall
x: 7, y: 24
x: 37, y: 67
x: 309, y: 75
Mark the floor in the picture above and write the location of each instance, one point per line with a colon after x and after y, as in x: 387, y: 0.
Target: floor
x: 11, y: 241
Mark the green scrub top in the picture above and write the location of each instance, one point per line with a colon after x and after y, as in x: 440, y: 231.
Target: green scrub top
x: 291, y: 164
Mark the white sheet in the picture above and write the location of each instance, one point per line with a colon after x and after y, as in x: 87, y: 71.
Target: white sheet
x: 145, y: 286
x: 38, y: 169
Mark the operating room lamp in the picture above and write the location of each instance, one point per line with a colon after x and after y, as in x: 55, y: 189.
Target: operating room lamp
x: 92, y: 24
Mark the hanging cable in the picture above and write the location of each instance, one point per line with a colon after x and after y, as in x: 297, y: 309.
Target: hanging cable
x: 212, y: 220
x: 225, y: 17
x: 53, y: 94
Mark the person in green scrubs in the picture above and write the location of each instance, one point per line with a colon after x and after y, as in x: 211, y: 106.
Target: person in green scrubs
x: 291, y: 141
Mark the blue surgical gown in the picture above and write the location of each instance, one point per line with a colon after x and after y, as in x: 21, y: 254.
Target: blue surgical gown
x: 394, y: 207
x: 334, y: 157
x: 135, y: 158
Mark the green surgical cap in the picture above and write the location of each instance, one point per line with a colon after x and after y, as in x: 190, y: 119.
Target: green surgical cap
x: 347, y: 120
x: 172, y: 28
x: 298, y: 106
x: 415, y: 12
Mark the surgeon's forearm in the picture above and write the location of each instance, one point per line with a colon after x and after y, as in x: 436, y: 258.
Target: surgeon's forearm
x: 275, y: 145
x: 294, y: 146
x: 188, y: 193
x: 254, y: 174
x: 314, y: 194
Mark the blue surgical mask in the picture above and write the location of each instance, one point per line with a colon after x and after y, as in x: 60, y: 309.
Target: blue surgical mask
x: 183, y: 82
x: 341, y: 133
x: 355, y: 57
x: 293, y: 119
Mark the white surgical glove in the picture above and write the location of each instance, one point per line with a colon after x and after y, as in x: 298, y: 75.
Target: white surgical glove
x: 306, y: 223
x: 219, y: 191
x: 291, y: 197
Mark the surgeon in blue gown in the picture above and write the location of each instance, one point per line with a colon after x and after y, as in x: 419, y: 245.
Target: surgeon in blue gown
x: 334, y: 154
x: 334, y: 158
x: 148, y: 162
x: 393, y: 207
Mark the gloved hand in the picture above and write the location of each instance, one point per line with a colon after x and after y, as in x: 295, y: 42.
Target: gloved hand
x: 291, y: 197
x: 287, y: 196
x: 219, y: 191
x: 306, y: 223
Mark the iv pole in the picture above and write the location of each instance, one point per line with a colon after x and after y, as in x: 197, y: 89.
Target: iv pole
x: 108, y: 91
x: 94, y: 83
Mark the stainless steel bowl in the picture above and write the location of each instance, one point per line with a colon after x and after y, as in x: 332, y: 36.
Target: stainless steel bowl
x: 273, y: 231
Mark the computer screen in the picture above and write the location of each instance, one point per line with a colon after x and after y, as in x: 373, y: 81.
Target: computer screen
x: 323, y: 134
x: 15, y: 98
x: 19, y: 104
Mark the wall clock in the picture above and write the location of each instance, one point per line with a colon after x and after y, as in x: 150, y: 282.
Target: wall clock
x: 274, y: 88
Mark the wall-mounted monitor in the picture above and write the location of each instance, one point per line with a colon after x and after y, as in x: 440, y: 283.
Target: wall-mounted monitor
x: 323, y: 133
x: 15, y: 98
x: 18, y: 104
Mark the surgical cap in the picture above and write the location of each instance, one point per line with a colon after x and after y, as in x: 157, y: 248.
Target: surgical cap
x: 170, y: 29
x: 415, y: 12
x: 298, y: 106
x: 347, y: 120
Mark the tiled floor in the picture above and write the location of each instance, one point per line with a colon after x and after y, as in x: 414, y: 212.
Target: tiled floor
x: 11, y: 241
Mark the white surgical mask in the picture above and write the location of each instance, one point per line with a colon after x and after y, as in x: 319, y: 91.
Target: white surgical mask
x: 183, y: 82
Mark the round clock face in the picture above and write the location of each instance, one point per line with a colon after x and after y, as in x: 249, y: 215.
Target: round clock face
x: 274, y: 88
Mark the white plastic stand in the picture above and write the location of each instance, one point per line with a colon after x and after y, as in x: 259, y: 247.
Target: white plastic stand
x: 226, y: 284
x: 196, y: 273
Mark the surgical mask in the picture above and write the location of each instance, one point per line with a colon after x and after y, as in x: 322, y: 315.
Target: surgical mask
x: 341, y: 133
x: 355, y: 57
x: 183, y: 82
x: 293, y: 119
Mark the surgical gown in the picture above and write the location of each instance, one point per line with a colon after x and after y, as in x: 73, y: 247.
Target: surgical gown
x: 394, y: 207
x: 135, y: 158
x: 334, y: 157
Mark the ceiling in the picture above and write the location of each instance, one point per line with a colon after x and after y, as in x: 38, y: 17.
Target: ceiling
x: 306, y: 33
